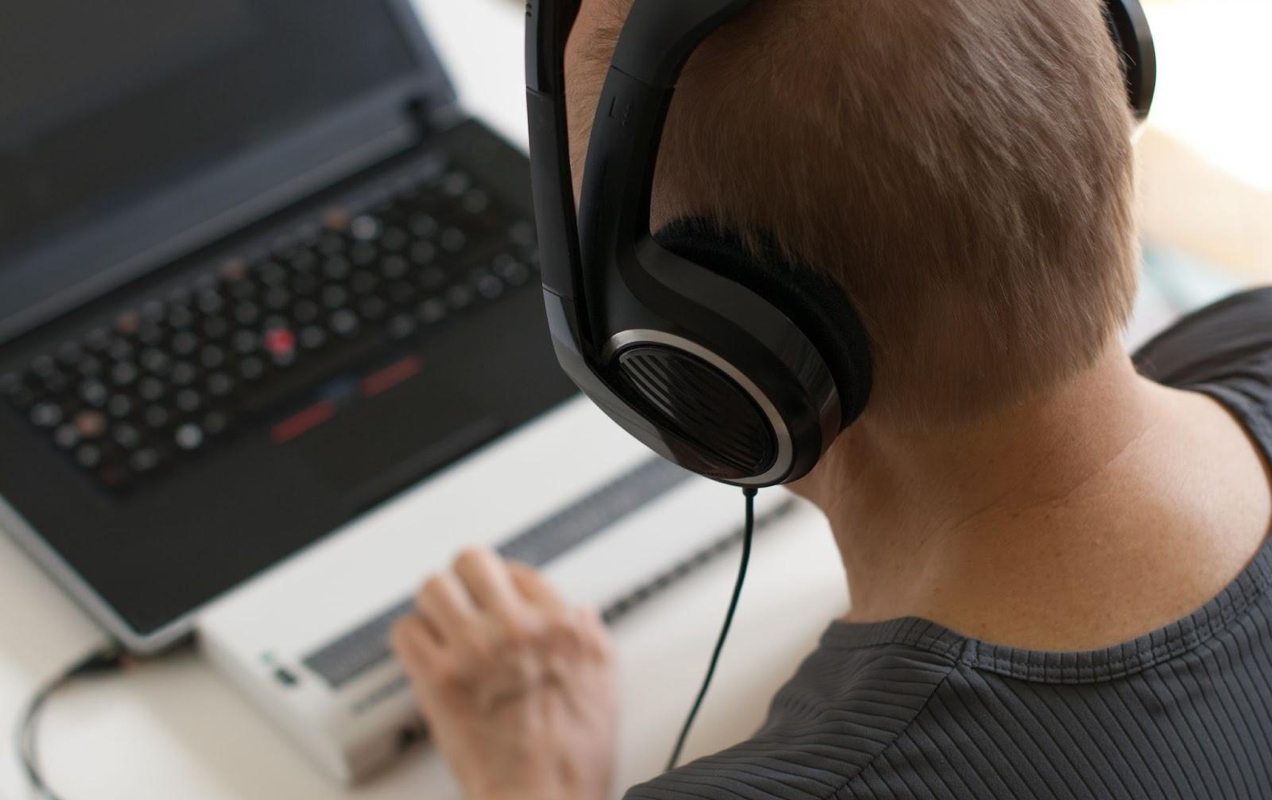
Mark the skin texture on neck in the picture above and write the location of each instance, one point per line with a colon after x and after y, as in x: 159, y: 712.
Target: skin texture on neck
x: 1089, y: 515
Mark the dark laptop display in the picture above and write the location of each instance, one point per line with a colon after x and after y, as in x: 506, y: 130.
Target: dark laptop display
x: 257, y: 275
x: 106, y: 106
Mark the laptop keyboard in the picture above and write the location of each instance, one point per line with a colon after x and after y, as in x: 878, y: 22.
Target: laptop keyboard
x: 133, y: 399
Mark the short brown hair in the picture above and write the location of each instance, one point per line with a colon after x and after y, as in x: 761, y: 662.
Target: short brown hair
x: 962, y: 167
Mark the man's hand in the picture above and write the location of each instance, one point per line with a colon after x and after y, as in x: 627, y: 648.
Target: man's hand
x: 517, y: 688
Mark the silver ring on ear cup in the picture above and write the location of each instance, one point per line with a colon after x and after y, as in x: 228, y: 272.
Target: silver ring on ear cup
x: 785, y: 450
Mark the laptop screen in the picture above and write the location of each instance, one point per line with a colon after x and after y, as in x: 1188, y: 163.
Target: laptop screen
x: 105, y: 104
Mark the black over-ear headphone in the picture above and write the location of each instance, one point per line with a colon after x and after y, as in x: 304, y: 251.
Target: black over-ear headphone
x: 742, y: 369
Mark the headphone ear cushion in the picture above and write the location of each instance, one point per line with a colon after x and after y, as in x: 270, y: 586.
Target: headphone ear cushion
x: 809, y: 298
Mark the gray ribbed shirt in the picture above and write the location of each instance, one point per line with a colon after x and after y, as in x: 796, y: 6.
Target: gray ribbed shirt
x: 910, y: 709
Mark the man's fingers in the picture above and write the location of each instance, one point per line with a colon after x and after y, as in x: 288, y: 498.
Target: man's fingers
x: 488, y: 581
x: 533, y: 587
x: 416, y: 648
x: 595, y: 634
x: 447, y: 606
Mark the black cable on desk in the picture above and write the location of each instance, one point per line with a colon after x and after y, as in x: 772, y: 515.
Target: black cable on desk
x: 748, y: 533
x: 108, y: 659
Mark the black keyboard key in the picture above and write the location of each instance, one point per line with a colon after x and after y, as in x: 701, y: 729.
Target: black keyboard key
x: 334, y: 296
x: 247, y: 313
x: 183, y: 373
x: 94, y: 393
x: 184, y: 344
x: 212, y: 357
x: 126, y: 435
x: 90, y: 423
x: 280, y: 342
x: 487, y: 285
x: 394, y: 268
x: 180, y: 317
x: 401, y: 293
x: 188, y: 437
x: 57, y: 384
x: 402, y: 326
x: 98, y: 339
x: 215, y: 327
x: 155, y: 361
x: 69, y: 353
x: 120, y: 349
x: 120, y: 405
x: 364, y: 254
x: 245, y: 341
x: 364, y: 282
x: 210, y: 301
x: 189, y: 401
x: 277, y: 298
x: 394, y: 239
x: 431, y: 311
x: 145, y: 460
x: 124, y: 373
x: 305, y: 284
x: 44, y: 367
x: 312, y: 337
x: 46, y: 415
x: 364, y: 228
x: 336, y: 268
x: 459, y: 297
x: 373, y: 309
x: 423, y: 253
x: 432, y: 279
x: 344, y: 322
x: 156, y: 416
x: 151, y: 334
x: 424, y: 226
x: 272, y: 274
x: 88, y: 456
x: 453, y: 240
x: 220, y: 385
x: 454, y: 184
x: 306, y: 311
x: 251, y: 369
x: 66, y: 436
x: 151, y: 389
x: 89, y: 366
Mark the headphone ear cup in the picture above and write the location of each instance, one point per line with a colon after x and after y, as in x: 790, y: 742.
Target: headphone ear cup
x: 810, y: 299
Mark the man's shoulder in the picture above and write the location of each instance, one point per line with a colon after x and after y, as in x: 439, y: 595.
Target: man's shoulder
x: 1216, y: 343
x: 844, y: 707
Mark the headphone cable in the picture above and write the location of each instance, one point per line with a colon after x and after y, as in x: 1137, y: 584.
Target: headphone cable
x: 748, y: 532
x: 107, y: 659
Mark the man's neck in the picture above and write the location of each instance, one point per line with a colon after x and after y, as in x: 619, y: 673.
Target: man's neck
x: 1023, y: 526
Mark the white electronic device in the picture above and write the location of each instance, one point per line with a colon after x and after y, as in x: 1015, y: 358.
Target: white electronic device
x: 570, y: 493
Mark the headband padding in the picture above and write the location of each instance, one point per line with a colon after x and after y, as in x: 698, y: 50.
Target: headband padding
x: 811, y: 299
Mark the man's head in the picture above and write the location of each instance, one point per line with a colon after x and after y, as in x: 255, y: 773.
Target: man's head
x: 962, y: 167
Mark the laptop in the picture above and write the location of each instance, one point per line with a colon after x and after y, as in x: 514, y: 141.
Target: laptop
x: 259, y: 272
x: 273, y: 349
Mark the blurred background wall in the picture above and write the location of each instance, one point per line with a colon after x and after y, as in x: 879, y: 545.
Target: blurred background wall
x: 1206, y: 155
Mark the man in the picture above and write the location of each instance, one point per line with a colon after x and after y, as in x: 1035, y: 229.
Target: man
x: 1055, y: 553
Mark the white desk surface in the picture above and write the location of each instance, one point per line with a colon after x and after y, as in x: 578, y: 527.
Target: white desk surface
x: 174, y: 729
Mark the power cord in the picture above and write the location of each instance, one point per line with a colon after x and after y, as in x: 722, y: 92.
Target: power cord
x: 748, y: 533
x: 108, y: 659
